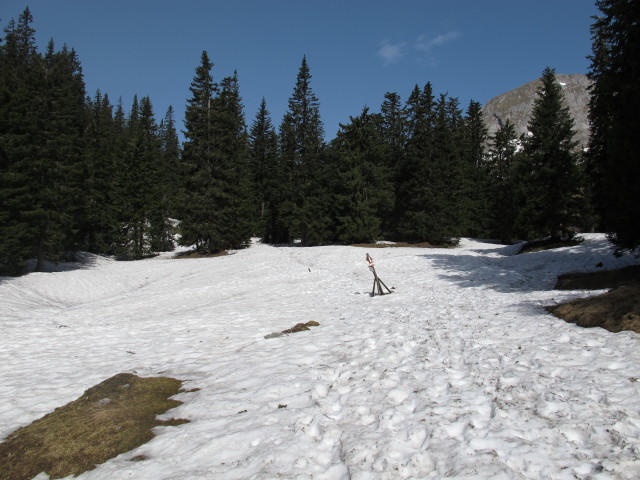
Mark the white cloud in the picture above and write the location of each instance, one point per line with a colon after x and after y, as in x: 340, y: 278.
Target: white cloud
x: 424, y: 44
x: 421, y: 51
x: 391, y: 52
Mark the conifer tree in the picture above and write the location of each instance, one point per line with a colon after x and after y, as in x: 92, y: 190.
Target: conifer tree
x: 446, y: 173
x: 63, y: 131
x: 362, y: 195
x: 428, y: 198
x: 304, y: 162
x: 18, y: 75
x: 500, y: 189
x: 394, y: 124
x: 197, y: 223
x: 171, y: 155
x: 613, y: 114
x: 263, y: 153
x: 410, y: 220
x: 235, y: 174
x: 154, y: 172
x: 216, y: 214
x: 101, y: 167
x: 548, y: 176
x: 474, y: 199
x: 40, y: 139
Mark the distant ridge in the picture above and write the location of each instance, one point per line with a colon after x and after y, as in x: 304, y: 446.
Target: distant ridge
x: 517, y: 104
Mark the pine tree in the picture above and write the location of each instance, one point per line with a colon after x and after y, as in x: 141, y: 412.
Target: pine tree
x: 548, y: 176
x: 155, y: 190
x: 65, y: 145
x: 216, y: 214
x: 500, y: 189
x: 428, y: 199
x: 614, y: 106
x: 171, y: 159
x: 263, y: 154
x: 474, y: 197
x: 305, y: 165
x: 41, y: 140
x: 363, y: 195
x: 231, y: 132
x: 19, y: 74
x: 101, y: 155
x: 394, y: 124
x: 410, y: 219
x: 197, y: 224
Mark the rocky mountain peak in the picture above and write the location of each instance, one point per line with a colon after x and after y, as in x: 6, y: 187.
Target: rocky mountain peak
x: 516, y: 105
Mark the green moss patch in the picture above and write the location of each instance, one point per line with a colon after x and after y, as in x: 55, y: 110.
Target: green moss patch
x: 110, y: 418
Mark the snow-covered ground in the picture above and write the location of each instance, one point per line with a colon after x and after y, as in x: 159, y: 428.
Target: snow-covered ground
x: 459, y: 373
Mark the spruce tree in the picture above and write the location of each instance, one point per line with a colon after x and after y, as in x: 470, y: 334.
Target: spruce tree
x: 548, y: 177
x: 171, y: 158
x: 197, y: 223
x: 394, y: 124
x: 65, y: 146
x: 19, y: 75
x: 363, y: 195
x: 263, y: 154
x: 428, y: 199
x: 305, y: 165
x: 500, y: 164
x: 216, y: 214
x: 101, y: 167
x: 235, y: 173
x: 613, y: 114
x: 410, y: 220
x: 474, y: 196
x: 41, y: 143
x: 155, y: 172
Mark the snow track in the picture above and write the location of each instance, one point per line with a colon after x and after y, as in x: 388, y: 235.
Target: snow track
x: 459, y: 373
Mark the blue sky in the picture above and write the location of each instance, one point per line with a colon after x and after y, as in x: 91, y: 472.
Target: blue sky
x: 357, y: 50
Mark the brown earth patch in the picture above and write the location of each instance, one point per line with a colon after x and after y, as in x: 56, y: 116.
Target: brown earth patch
x: 598, y: 280
x: 404, y: 245
x: 196, y: 254
x: 616, y: 311
x: 548, y: 244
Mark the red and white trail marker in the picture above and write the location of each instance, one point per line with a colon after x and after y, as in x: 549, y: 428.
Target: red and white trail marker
x: 377, y: 283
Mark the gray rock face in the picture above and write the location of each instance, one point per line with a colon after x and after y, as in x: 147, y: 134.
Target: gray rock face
x: 517, y: 104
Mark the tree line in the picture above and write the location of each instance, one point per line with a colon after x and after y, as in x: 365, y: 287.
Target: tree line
x: 80, y: 173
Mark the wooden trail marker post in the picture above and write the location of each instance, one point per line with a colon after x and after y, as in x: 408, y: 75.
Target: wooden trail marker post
x: 377, y: 283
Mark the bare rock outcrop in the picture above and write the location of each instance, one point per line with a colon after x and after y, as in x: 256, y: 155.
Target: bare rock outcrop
x: 516, y: 105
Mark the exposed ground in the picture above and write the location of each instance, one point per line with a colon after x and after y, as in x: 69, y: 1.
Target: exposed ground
x: 111, y: 418
x: 616, y: 310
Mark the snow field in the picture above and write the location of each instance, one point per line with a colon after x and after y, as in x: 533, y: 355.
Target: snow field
x: 459, y: 373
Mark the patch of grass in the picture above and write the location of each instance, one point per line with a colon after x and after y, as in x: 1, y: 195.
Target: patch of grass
x: 616, y: 311
x: 111, y: 418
